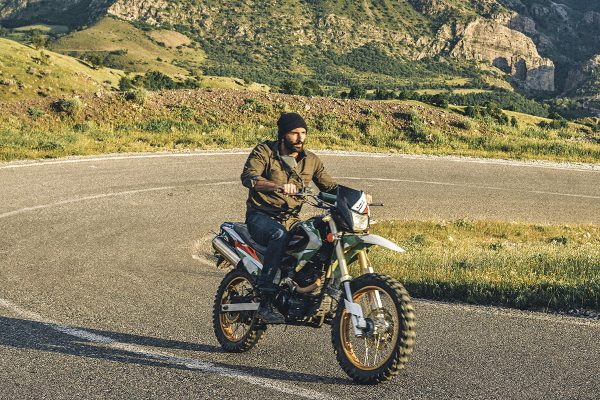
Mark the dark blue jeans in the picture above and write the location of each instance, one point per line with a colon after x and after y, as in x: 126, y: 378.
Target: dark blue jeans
x: 270, y: 233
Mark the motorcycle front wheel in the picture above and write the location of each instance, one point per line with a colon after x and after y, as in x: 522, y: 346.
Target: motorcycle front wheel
x: 386, y: 345
x: 237, y: 332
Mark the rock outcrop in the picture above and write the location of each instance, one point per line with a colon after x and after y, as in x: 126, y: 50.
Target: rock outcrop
x: 508, y: 50
x: 584, y: 80
x: 491, y: 42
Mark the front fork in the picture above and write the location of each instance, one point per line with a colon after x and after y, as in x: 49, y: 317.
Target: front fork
x: 359, y: 323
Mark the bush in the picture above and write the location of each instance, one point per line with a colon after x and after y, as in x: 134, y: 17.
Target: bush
x: 34, y: 112
x: 70, y: 107
x: 126, y: 84
x: 554, y: 124
x: 416, y: 131
x: 137, y: 95
x: 253, y: 105
x: 463, y: 124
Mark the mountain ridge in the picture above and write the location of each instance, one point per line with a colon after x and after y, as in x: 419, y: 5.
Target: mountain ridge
x: 519, y: 38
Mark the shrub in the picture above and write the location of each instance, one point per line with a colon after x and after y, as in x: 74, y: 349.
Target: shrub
x: 554, y: 124
x: 70, y: 107
x: 137, y: 95
x: 417, y: 132
x: 462, y: 124
x: 407, y: 116
x: 85, y: 126
x: 253, y: 105
x: 126, y: 84
x: 326, y: 122
x: 34, y: 112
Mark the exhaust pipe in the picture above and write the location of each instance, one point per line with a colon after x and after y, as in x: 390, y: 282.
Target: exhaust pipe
x: 310, y: 288
x: 226, y: 251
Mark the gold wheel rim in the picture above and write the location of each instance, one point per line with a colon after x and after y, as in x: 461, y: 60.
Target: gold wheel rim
x: 371, y: 353
x: 234, y: 325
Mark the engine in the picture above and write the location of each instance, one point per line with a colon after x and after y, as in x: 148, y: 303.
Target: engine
x: 296, y: 298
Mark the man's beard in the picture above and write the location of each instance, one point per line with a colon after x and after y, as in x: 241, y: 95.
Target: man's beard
x: 290, y: 145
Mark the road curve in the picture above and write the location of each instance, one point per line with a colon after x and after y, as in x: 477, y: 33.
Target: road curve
x: 106, y: 292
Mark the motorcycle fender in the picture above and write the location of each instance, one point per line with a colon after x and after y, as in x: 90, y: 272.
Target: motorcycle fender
x: 251, y: 266
x: 383, y: 242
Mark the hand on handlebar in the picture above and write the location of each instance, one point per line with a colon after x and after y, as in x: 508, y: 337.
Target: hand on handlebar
x: 288, y: 189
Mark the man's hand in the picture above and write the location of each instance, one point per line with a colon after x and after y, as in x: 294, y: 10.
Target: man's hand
x: 369, y: 198
x: 289, y: 188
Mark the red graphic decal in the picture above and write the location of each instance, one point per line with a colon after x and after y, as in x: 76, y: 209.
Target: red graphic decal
x: 244, y: 247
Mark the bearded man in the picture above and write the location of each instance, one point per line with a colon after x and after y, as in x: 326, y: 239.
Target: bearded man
x: 273, y: 173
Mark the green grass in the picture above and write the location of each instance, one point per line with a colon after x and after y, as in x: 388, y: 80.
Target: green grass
x: 115, y: 125
x: 549, y: 267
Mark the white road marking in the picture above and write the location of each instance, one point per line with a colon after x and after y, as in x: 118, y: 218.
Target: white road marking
x: 122, y: 157
x: 102, y: 196
x: 169, y: 358
x: 583, y: 167
x: 582, y: 196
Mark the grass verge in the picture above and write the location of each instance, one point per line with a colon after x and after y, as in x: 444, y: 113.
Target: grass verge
x: 219, y: 118
x: 541, y: 267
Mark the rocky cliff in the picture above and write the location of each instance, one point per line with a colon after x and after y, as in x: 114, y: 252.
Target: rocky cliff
x: 508, y: 50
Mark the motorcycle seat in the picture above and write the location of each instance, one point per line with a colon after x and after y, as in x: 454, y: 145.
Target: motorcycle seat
x: 242, y: 230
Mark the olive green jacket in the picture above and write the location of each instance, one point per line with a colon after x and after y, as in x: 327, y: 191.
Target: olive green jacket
x: 265, y: 162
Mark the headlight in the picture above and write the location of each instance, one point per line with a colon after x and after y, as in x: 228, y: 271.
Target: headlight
x: 360, y: 222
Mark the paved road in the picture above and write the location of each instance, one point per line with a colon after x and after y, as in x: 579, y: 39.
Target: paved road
x: 103, y: 295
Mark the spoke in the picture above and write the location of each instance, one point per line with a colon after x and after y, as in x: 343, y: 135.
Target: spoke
x: 376, y: 350
x: 236, y: 329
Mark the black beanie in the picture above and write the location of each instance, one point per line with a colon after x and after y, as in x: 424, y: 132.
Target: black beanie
x: 288, y: 122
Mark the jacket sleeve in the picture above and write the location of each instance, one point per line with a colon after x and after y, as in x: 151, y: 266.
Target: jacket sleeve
x: 322, y: 179
x: 254, y: 168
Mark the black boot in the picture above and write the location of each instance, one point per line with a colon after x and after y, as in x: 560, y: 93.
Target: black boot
x: 267, y: 311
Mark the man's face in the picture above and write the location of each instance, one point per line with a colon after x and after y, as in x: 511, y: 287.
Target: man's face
x: 294, y: 140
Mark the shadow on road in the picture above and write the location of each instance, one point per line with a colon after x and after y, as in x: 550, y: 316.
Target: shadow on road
x: 33, y: 335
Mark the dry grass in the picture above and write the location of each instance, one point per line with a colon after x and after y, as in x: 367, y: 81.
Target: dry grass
x: 485, y: 262
x: 143, y: 51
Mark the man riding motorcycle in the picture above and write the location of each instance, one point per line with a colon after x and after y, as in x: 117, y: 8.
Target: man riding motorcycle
x: 274, y: 171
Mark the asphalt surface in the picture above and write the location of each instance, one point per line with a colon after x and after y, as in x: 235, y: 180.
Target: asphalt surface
x: 106, y: 290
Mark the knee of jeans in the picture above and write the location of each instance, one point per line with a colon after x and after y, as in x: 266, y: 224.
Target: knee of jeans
x: 279, y: 234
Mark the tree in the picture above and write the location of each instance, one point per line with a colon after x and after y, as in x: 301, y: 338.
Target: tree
x: 440, y: 100
x: 311, y: 88
x: 38, y: 40
x: 291, y: 87
x: 357, y: 92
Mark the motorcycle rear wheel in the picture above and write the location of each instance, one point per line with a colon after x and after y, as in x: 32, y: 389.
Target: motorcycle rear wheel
x: 237, y: 332
x: 384, y: 350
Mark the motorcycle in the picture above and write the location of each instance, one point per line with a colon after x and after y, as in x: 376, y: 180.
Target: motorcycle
x: 371, y: 316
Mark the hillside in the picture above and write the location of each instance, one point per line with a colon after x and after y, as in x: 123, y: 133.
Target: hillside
x: 540, y: 47
x: 118, y: 44
x: 27, y: 72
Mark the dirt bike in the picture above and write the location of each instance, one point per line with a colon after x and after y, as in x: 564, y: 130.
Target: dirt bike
x: 371, y: 315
